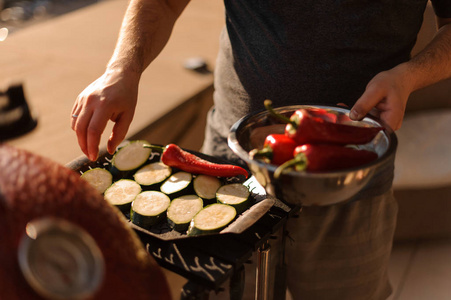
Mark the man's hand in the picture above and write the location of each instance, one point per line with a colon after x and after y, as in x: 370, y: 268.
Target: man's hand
x: 387, y: 93
x: 385, y: 97
x: 112, y: 97
x: 145, y: 30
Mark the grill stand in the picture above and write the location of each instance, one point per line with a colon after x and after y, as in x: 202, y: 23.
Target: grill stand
x: 262, y: 278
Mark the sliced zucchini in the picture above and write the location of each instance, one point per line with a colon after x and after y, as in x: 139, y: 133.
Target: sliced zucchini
x: 100, y: 179
x: 152, y: 174
x: 149, y: 208
x: 206, y: 186
x: 212, y: 219
x: 131, y: 156
x: 121, y: 193
x: 177, y: 184
x: 234, y: 194
x: 182, y: 210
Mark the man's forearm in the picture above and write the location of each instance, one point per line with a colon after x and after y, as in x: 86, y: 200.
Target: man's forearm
x: 145, y: 30
x: 433, y: 63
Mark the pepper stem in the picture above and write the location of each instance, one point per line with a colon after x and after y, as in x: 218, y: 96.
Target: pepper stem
x: 268, y: 106
x: 156, y: 148
x: 264, y: 154
x: 299, y: 162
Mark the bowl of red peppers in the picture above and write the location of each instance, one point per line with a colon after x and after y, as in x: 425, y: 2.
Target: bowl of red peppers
x: 308, y: 155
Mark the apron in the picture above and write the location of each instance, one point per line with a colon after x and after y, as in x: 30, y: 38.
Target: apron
x: 317, y: 52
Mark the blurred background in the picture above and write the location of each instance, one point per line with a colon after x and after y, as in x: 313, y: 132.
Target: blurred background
x: 17, y: 14
x: 55, y: 48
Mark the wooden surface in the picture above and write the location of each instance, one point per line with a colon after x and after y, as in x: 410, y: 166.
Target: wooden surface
x: 57, y: 59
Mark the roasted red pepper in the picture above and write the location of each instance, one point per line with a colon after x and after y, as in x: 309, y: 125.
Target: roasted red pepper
x: 277, y: 149
x: 305, y: 128
x: 326, y: 157
x: 174, y: 156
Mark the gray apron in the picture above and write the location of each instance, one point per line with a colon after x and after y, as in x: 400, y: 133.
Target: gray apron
x: 318, y: 52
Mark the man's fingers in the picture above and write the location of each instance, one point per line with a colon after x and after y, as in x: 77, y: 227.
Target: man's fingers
x: 80, y: 127
x: 377, y: 103
x: 370, y: 99
x: 94, y: 132
x: 74, y: 115
x: 392, y: 118
x: 120, y: 128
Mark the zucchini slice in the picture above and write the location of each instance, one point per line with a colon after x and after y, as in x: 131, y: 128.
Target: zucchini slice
x: 206, y: 186
x: 121, y: 193
x: 182, y: 210
x: 212, y: 219
x: 131, y: 156
x: 149, y: 208
x: 234, y: 194
x: 177, y: 184
x: 152, y: 174
x: 100, y: 179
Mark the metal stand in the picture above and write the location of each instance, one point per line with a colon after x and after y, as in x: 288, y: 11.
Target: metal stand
x: 280, y: 278
x: 262, y: 278
x: 237, y: 284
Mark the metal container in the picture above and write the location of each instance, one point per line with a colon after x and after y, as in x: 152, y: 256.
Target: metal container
x: 307, y: 188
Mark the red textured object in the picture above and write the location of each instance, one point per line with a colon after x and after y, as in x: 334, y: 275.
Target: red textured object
x: 327, y: 157
x: 33, y: 187
x: 277, y: 149
x: 176, y: 157
x: 306, y: 129
x: 309, y: 126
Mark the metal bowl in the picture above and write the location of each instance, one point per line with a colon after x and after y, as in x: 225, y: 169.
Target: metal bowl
x: 308, y: 188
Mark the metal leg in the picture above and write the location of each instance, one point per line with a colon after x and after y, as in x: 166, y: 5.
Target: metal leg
x: 237, y: 284
x: 262, y: 278
x: 280, y: 280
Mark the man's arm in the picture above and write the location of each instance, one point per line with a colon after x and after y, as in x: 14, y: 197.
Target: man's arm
x: 433, y: 63
x: 388, y: 91
x: 145, y: 30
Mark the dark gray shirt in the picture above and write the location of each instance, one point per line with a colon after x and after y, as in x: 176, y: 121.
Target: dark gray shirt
x: 306, y: 52
x: 323, y: 52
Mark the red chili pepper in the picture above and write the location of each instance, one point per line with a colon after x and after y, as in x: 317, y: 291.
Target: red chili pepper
x: 174, y: 156
x: 277, y: 149
x: 343, y: 119
x: 326, y: 157
x: 304, y: 128
x: 323, y: 114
